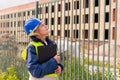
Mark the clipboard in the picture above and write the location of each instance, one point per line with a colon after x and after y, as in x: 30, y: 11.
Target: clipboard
x: 46, y: 52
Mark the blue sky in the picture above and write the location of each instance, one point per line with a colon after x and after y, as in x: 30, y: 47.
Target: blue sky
x: 11, y: 3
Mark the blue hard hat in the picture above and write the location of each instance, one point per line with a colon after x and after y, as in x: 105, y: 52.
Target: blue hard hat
x: 31, y: 24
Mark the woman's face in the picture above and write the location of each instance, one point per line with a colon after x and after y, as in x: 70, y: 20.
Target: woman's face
x: 43, y: 30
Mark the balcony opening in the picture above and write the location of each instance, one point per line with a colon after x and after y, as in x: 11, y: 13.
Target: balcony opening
x: 85, y: 18
x: 52, y: 32
x: 52, y: 8
x: 76, y: 19
x: 113, y: 14
x: 46, y: 10
x: 96, y: 18
x: 59, y: 7
x: 76, y: 34
x: 67, y: 33
x: 86, y: 34
x: 52, y: 21
x: 95, y: 34
x: 96, y: 3
x: 59, y: 20
x: 107, y: 2
x: 58, y: 33
x: 46, y: 21
x: 106, y: 33
x: 67, y: 19
x: 67, y: 6
x: 85, y: 3
x: 107, y: 17
x: 113, y: 33
x: 76, y: 5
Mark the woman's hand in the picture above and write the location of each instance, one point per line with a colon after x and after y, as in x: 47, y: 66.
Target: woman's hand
x: 58, y: 70
x: 57, y: 58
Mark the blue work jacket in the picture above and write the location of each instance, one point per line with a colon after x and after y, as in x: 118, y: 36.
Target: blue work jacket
x: 32, y: 62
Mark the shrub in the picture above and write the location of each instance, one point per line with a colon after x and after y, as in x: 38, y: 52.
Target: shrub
x: 10, y: 74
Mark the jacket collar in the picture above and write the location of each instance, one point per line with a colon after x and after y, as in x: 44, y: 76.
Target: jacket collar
x: 39, y: 40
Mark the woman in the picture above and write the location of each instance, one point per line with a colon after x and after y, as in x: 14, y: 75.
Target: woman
x: 38, y: 33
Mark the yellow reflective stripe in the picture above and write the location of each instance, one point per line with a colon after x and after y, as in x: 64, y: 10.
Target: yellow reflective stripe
x: 36, y: 44
x: 52, y: 75
x: 49, y: 75
x: 24, y: 54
